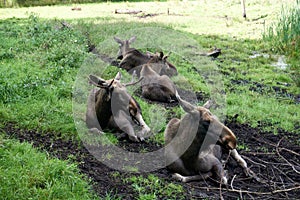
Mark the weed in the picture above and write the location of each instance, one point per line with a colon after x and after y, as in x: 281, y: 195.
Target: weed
x: 152, y: 187
x: 29, y: 174
x: 284, y: 35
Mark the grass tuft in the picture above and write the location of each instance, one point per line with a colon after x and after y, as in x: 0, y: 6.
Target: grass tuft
x: 284, y: 35
x: 28, y: 174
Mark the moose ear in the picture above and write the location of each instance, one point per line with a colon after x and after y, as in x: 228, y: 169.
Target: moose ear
x: 118, y: 76
x: 187, y: 107
x: 166, y: 56
x: 97, y: 81
x: 149, y: 54
x: 161, y: 55
x: 208, y: 104
x: 132, y: 39
x: 118, y: 40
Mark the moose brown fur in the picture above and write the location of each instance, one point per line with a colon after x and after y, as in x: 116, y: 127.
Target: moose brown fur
x: 110, y: 106
x: 154, y: 86
x: 198, y: 161
x: 133, y: 59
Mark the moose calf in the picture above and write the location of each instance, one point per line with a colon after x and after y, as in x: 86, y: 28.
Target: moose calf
x: 201, y: 158
x: 110, y: 106
x: 154, y: 86
x: 133, y: 59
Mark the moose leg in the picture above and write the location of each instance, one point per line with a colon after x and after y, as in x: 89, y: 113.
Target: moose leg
x: 213, y: 164
x: 239, y: 159
x: 186, y: 179
x: 122, y: 121
x: 145, y: 128
x: 91, y: 119
x: 218, y: 169
x: 243, y: 164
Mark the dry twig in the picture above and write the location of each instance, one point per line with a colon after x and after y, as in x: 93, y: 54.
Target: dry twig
x: 253, y: 192
x: 290, y: 164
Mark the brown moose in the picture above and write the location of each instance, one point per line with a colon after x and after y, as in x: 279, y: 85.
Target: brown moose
x: 110, y: 106
x: 154, y: 86
x: 202, y: 158
x: 132, y: 59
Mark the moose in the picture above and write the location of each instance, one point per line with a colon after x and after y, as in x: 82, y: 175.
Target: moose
x: 133, y: 59
x: 199, y: 161
x: 154, y: 86
x: 111, y: 106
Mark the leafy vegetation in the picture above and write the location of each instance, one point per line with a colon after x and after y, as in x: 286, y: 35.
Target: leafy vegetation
x: 284, y: 35
x: 28, y: 174
x: 152, y: 187
x: 40, y: 59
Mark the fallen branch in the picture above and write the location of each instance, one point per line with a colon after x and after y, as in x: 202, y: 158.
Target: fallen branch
x: 252, y: 192
x: 127, y: 11
x: 290, y: 164
x: 274, y: 145
x: 232, y: 182
x: 254, y: 161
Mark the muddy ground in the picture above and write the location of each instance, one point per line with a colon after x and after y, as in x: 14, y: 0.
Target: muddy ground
x: 274, y: 158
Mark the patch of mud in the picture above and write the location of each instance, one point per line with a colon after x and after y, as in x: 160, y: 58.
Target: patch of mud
x: 274, y: 158
x: 280, y: 90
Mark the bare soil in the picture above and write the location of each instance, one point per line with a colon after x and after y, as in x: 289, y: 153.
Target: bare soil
x: 274, y: 158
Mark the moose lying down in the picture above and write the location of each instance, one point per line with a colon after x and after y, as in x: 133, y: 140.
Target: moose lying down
x: 110, y: 106
x: 154, y: 86
x: 202, y: 158
x: 132, y: 59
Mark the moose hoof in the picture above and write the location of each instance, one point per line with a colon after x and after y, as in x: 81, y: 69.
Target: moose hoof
x: 179, y: 177
x: 95, y: 131
x: 224, y: 179
x: 134, y: 138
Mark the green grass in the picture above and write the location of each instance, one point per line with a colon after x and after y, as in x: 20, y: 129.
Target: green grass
x: 284, y: 35
x: 40, y: 60
x: 27, y: 173
x: 152, y: 187
x: 252, y: 106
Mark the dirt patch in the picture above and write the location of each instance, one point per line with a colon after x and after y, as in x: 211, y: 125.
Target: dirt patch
x: 280, y: 90
x: 274, y: 158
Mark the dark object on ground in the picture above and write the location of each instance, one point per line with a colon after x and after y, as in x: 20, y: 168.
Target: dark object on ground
x: 76, y: 8
x: 127, y: 11
x: 215, y: 52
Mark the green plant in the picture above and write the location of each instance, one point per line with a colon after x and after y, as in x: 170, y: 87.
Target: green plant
x: 27, y: 173
x: 284, y: 36
x: 152, y: 187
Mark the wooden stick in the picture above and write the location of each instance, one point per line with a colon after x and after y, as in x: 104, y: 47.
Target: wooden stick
x: 244, y: 8
x: 252, y: 192
x: 127, y: 11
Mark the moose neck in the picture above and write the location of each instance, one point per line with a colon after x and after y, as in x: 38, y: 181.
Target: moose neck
x: 103, y: 107
x: 193, y: 150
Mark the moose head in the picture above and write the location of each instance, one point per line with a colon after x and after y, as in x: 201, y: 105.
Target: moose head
x: 124, y: 46
x: 111, y: 106
x: 133, y: 59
